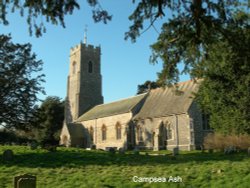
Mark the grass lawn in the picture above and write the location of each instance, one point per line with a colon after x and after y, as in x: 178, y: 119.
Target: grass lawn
x: 78, y: 168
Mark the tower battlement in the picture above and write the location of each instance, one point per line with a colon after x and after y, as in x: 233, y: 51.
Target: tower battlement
x: 85, y: 47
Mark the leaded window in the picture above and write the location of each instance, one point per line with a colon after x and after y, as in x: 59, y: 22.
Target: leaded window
x: 118, y: 131
x: 104, y: 132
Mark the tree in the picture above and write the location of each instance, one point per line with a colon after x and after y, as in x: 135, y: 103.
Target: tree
x: 53, y: 11
x: 49, y: 121
x: 20, y: 83
x: 225, y: 91
x: 190, y: 27
x: 213, y: 44
x: 12, y: 136
x: 186, y: 37
x: 147, y: 86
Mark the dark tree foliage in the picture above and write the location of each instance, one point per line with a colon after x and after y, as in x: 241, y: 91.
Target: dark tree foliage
x: 185, y: 36
x: 49, y: 121
x: 225, y: 91
x: 211, y: 39
x: 20, y: 83
x: 52, y: 12
x: 147, y: 86
x: 99, y: 14
x: 9, y: 136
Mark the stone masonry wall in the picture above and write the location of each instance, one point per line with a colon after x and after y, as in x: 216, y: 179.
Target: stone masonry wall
x: 179, y: 125
x: 110, y: 123
x: 199, y: 133
x: 84, y: 89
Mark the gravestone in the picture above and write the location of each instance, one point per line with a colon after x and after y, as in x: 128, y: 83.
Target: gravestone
x: 202, y: 148
x: 136, y: 151
x: 121, y: 151
x: 111, y: 150
x: 210, y: 150
x: 93, y: 147
x: 25, y: 181
x: 175, y: 151
x: 229, y: 149
x: 33, y: 145
x: 51, y: 148
x: 8, y: 155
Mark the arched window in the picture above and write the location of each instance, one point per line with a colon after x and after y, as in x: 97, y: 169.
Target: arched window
x: 139, y: 133
x: 169, y: 131
x: 91, y: 133
x: 118, y: 131
x: 162, y: 134
x: 74, y: 67
x: 104, y: 132
x: 153, y: 139
x: 90, y: 67
x: 205, y: 121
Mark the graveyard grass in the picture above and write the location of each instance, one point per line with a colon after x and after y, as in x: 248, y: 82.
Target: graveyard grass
x: 72, y: 167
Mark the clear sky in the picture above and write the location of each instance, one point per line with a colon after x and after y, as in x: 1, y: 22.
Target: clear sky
x: 124, y: 64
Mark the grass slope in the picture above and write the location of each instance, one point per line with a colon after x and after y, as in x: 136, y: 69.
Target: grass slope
x: 71, y: 168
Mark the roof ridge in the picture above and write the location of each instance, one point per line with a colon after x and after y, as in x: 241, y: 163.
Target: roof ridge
x: 119, y: 100
x: 195, y: 80
x: 113, y: 108
x: 178, y: 83
x: 186, y: 81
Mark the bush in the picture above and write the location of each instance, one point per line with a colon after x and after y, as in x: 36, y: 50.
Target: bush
x: 221, y: 142
x: 8, y: 137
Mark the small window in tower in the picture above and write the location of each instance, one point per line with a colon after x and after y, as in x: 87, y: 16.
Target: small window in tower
x: 90, y: 67
x: 74, y: 67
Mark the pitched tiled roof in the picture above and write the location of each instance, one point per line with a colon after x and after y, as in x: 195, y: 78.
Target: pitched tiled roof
x: 163, y: 102
x: 113, y: 108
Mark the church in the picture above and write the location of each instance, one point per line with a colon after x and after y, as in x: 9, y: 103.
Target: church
x: 158, y: 119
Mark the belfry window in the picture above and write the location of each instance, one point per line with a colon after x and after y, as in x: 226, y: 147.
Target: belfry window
x: 118, y: 131
x: 90, y: 67
x: 104, y: 132
x: 74, y: 67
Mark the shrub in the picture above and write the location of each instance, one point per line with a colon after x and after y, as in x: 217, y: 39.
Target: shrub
x: 220, y: 142
x: 51, y: 148
x: 8, y: 137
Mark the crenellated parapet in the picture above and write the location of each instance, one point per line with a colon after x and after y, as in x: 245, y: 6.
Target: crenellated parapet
x: 85, y: 47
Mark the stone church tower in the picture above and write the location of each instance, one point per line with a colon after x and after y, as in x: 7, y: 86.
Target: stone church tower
x: 84, y: 89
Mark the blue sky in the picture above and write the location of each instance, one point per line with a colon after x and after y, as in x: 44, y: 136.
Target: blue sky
x: 124, y: 64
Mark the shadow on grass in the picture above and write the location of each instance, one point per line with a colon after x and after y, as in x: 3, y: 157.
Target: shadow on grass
x: 77, y: 158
